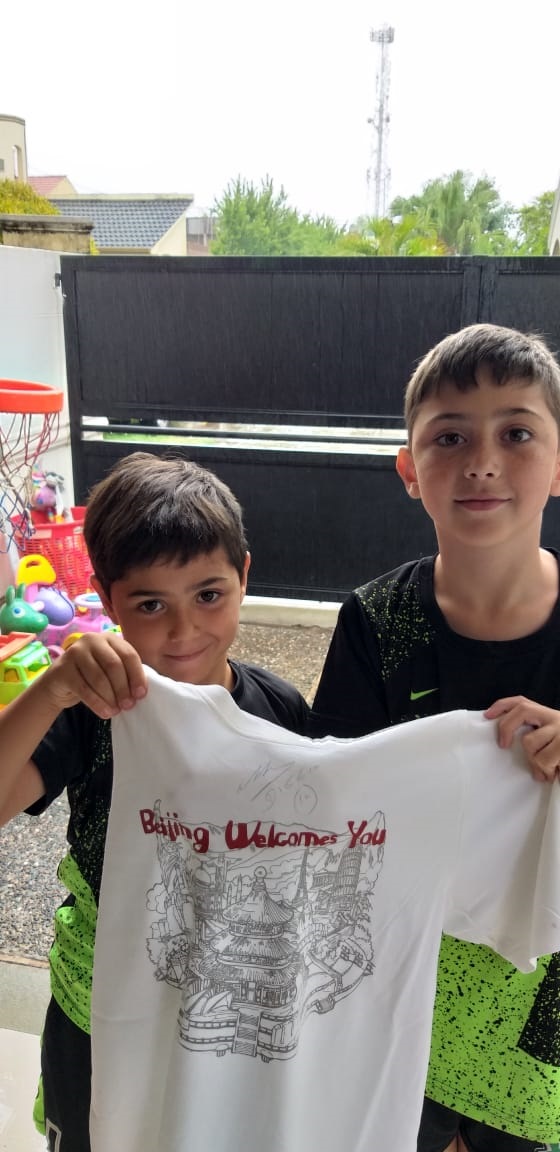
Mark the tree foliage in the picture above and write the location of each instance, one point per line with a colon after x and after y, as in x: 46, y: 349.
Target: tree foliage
x: 467, y: 214
x: 533, y: 224
x: 382, y: 236
x: 17, y: 198
x: 260, y: 222
x: 452, y: 215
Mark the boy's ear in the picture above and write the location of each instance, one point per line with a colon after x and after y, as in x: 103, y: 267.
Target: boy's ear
x: 407, y: 472
x: 555, y: 486
x: 245, y: 575
x: 108, y: 607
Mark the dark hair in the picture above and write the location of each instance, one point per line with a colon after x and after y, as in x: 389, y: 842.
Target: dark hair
x: 150, y: 508
x: 506, y: 353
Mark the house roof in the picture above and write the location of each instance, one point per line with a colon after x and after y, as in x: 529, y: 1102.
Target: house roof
x: 44, y: 185
x: 126, y: 221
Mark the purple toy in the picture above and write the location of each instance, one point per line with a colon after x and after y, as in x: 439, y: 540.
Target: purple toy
x: 56, y: 606
x: 88, y: 617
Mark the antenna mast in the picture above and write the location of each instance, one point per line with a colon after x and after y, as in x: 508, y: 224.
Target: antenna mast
x: 378, y: 173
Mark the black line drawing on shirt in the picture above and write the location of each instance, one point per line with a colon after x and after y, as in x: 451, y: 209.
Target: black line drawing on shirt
x: 259, y: 939
x: 271, y: 780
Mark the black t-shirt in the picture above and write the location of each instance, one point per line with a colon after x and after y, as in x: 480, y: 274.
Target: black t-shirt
x: 393, y: 657
x: 76, y: 754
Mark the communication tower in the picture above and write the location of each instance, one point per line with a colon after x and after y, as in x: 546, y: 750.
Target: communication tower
x: 378, y: 173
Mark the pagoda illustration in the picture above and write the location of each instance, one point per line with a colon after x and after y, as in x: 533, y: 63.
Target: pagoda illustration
x: 252, y: 958
x: 253, y: 951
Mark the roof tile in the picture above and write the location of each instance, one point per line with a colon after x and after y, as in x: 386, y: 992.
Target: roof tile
x: 125, y: 223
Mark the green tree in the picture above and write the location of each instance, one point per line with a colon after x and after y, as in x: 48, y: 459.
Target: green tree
x: 452, y: 215
x: 260, y: 222
x: 467, y: 214
x: 380, y: 236
x: 316, y: 236
x: 17, y: 198
x: 533, y: 224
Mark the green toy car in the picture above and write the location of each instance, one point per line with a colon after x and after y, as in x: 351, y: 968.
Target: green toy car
x: 22, y: 658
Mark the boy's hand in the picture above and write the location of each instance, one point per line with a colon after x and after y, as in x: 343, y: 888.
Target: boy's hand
x: 541, y: 744
x: 101, y: 670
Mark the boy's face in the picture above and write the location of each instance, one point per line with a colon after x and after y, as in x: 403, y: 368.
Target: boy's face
x: 181, y: 618
x: 483, y: 462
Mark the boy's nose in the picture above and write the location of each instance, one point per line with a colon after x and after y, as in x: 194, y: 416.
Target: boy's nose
x: 479, y: 472
x: 181, y: 624
x: 482, y: 462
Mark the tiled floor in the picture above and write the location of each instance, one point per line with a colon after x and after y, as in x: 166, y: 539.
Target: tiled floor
x: 24, y: 992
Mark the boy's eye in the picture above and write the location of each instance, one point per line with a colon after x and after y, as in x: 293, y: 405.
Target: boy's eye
x: 450, y: 439
x: 518, y: 435
x: 150, y: 606
x: 209, y: 596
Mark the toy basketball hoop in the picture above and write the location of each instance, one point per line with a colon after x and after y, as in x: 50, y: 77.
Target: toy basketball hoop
x: 29, y: 416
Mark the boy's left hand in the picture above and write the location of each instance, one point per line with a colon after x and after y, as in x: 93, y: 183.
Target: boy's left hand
x: 541, y: 744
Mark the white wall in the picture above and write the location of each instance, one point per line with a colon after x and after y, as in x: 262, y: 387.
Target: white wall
x: 32, y: 336
x: 174, y: 242
x: 32, y: 348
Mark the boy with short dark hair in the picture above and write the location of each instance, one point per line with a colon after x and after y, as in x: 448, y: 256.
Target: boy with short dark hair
x: 169, y: 553
x: 476, y: 625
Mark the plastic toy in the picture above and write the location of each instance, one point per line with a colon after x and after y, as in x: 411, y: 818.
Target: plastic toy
x: 39, y: 577
x: 64, y: 621
x: 73, y: 636
x: 18, y: 616
x: 63, y: 545
x: 47, y: 494
x: 35, y: 571
x: 22, y: 658
x: 58, y: 608
x: 88, y: 617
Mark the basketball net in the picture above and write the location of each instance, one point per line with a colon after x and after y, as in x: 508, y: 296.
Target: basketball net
x: 23, y: 439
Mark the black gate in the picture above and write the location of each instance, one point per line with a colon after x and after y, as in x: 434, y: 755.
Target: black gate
x: 324, y: 342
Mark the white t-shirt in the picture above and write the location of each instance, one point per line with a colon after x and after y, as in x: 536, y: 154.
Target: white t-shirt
x: 270, y: 918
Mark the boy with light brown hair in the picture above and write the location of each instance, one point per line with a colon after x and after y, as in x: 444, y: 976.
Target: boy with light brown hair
x: 476, y: 626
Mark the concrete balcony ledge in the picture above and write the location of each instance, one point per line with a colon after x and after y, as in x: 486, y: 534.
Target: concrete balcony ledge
x: 287, y: 613
x: 55, y: 233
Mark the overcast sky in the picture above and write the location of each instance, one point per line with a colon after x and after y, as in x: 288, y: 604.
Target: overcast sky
x: 179, y: 96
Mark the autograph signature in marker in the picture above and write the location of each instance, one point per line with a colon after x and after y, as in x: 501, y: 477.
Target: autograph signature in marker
x: 271, y: 782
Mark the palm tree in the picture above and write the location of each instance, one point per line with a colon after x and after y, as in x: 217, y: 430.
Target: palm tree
x: 380, y: 236
x: 467, y: 215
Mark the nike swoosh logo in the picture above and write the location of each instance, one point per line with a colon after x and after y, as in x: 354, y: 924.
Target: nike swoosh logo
x: 426, y: 692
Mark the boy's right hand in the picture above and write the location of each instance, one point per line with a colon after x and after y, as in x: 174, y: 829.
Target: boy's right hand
x: 541, y: 743
x: 101, y: 670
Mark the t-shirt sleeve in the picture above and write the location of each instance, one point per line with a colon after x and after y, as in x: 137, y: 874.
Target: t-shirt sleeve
x: 505, y: 888
x: 61, y: 755
x: 265, y: 694
x: 290, y: 709
x: 350, y: 698
x: 302, y: 712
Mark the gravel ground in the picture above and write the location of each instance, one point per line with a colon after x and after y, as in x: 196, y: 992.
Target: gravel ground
x: 30, y: 849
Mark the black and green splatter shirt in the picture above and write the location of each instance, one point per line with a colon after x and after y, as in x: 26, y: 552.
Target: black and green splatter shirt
x: 496, y: 1034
